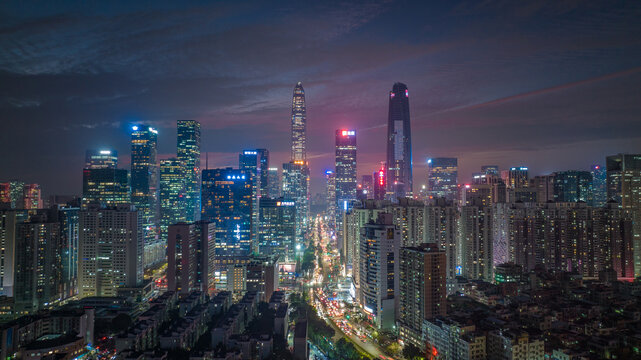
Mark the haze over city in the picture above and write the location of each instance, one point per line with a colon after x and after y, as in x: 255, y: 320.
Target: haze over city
x: 549, y: 85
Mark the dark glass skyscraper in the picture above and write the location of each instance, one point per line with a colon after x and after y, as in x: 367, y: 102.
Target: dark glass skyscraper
x: 188, y: 153
x: 102, y: 182
x: 299, y: 121
x: 399, y: 143
x: 144, y: 187
x: 255, y: 161
x: 227, y: 202
x: 599, y: 185
x: 573, y: 186
x: 345, y: 172
x: 101, y: 159
x: 172, y: 195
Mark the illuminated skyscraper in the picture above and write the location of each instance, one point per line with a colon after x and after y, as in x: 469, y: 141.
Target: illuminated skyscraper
x: 188, y: 153
x: 399, y: 144
x: 277, y: 232
x: 144, y: 187
x: 599, y: 185
x: 102, y: 182
x: 490, y: 170
x: 296, y: 188
x: 299, y: 124
x: 255, y: 161
x: 172, y: 195
x: 516, y: 177
x: 227, y: 202
x: 442, y: 178
x: 330, y: 178
x: 380, y: 184
x: 573, y: 186
x: 101, y: 159
x: 273, y: 183
x: 345, y: 173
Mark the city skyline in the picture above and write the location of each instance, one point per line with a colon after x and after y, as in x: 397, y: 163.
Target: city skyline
x: 575, y: 96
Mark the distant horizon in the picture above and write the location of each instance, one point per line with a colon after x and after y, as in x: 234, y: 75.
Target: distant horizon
x: 551, y: 86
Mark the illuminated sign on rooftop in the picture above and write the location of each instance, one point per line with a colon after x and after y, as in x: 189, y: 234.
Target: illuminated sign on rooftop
x: 105, y: 152
x: 348, y: 132
x: 248, y: 152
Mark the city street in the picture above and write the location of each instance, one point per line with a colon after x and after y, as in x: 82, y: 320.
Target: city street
x: 332, y: 300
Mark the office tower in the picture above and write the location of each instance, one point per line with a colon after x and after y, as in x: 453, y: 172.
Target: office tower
x: 188, y: 153
x: 573, y: 186
x: 624, y: 187
x: 442, y: 178
x: 399, y: 143
x: 190, y: 257
x: 38, y: 267
x: 599, y: 185
x: 330, y: 178
x: 409, y: 216
x: 110, y: 249
x: 379, y: 265
x: 173, y: 195
x: 101, y: 159
x: 69, y: 218
x: 345, y: 173
x: 32, y: 198
x: 516, y: 177
x: 441, y: 228
x: 422, y: 290
x: 253, y: 162
x: 227, y: 203
x: 380, y: 186
x: 475, y: 253
x: 277, y: 231
x: 296, y: 188
x: 624, y: 180
x: 544, y: 187
x: 144, y: 188
x: 490, y: 170
x: 273, y: 183
x: 109, y: 186
x: 299, y: 124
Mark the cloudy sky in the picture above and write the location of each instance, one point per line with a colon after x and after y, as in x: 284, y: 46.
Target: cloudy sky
x: 552, y: 85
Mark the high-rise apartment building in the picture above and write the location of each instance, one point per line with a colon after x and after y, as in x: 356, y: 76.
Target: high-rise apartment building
x: 32, y: 197
x: 442, y: 178
x: 38, y: 266
x: 441, y: 228
x: 599, y: 185
x: 422, y: 289
x: 188, y: 153
x: 144, y: 188
x: 573, y: 186
x: 190, y: 257
x: 110, y: 249
x: 544, y: 187
x: 299, y: 124
x: 475, y: 253
x: 399, y: 143
x: 379, y: 266
x: 227, y: 203
x: 69, y: 218
x: 173, y: 196
x: 277, y: 232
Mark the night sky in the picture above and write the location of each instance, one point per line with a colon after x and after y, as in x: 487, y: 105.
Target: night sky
x: 549, y: 85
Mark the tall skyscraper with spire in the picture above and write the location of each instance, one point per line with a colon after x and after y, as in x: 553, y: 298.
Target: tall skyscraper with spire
x: 399, y: 143
x: 188, y: 151
x: 299, y: 119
